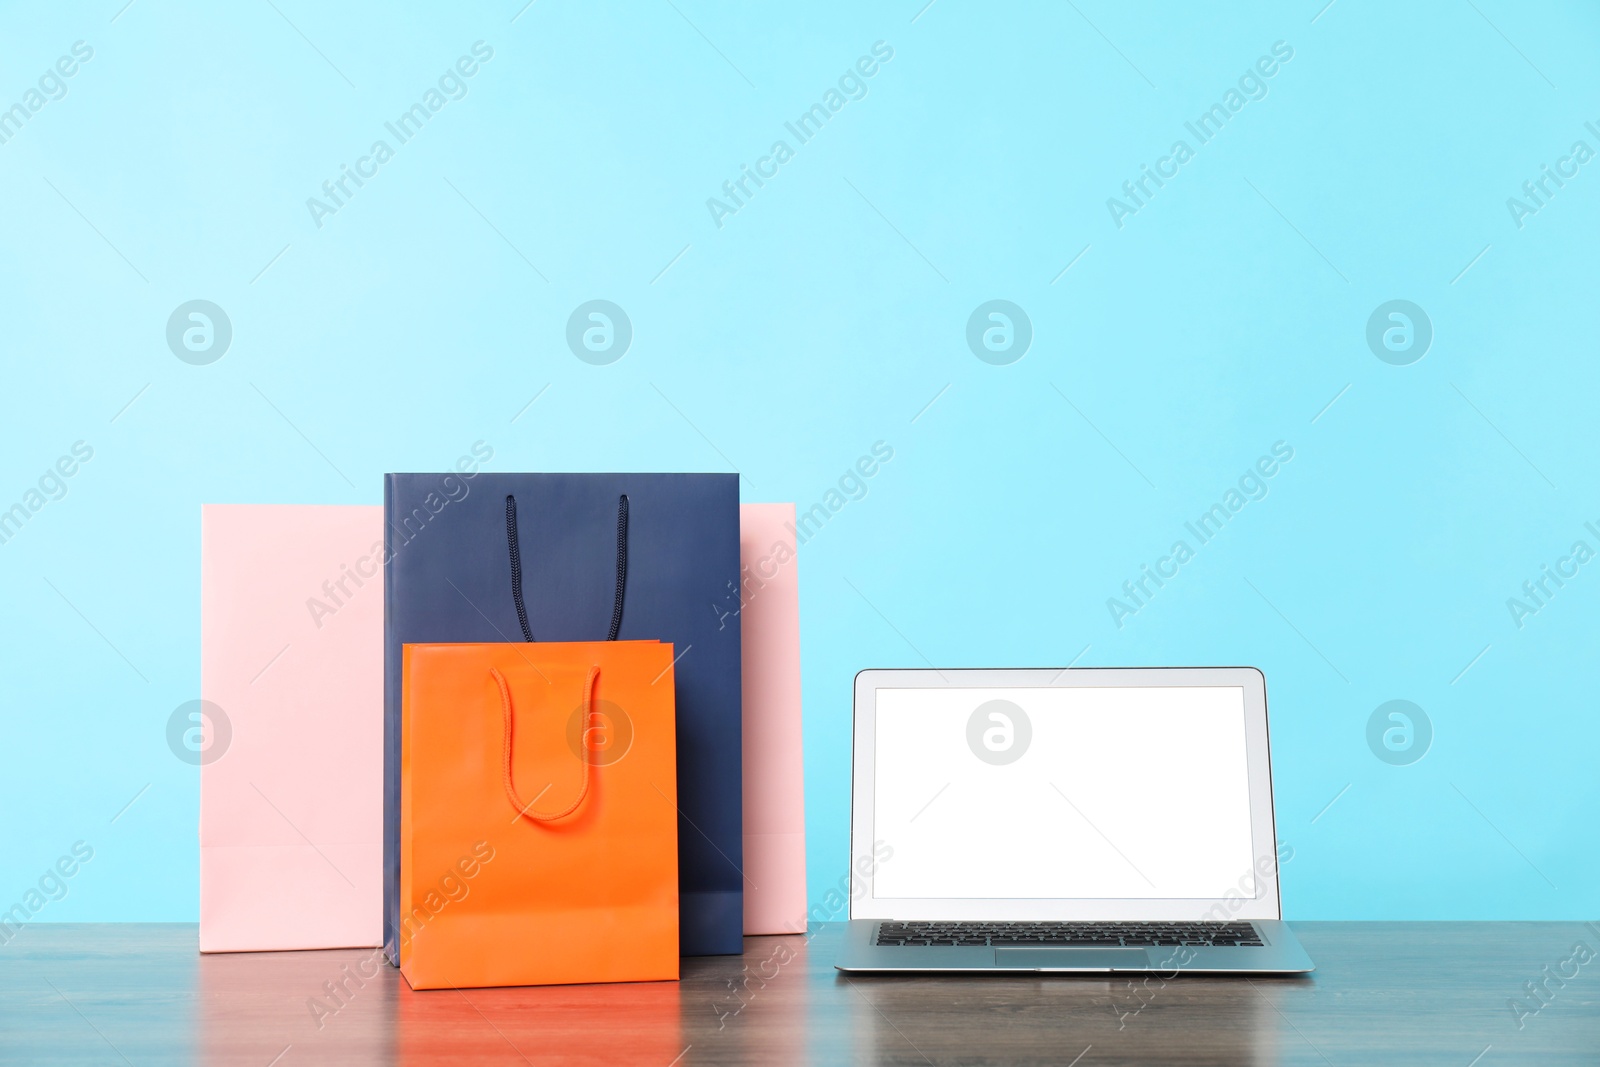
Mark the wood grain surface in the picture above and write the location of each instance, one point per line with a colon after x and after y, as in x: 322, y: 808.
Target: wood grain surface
x: 1383, y: 993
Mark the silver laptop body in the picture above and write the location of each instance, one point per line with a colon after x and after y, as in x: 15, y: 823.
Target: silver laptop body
x: 1065, y: 820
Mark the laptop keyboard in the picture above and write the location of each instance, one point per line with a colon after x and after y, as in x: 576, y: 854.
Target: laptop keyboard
x: 1068, y: 934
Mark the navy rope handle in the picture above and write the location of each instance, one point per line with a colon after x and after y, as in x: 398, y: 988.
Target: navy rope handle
x: 622, y: 565
x: 516, y: 567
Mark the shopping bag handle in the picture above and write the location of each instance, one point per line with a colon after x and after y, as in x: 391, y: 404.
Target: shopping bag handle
x: 516, y: 566
x: 583, y: 741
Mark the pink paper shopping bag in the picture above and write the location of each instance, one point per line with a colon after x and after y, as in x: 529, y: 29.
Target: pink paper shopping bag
x: 289, y: 731
x: 774, y: 770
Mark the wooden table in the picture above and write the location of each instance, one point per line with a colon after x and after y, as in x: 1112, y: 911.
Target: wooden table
x: 1383, y: 993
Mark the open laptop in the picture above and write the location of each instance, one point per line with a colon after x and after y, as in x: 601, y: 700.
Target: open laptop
x: 1077, y: 820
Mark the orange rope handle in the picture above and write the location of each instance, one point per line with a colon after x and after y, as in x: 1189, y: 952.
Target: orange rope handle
x: 583, y: 734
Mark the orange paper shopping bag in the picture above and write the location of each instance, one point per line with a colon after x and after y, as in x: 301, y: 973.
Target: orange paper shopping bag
x: 538, y: 821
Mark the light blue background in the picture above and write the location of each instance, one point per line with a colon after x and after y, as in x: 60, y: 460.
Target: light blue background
x: 824, y: 316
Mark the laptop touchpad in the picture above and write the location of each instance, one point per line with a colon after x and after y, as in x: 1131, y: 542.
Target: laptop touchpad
x: 1072, y: 959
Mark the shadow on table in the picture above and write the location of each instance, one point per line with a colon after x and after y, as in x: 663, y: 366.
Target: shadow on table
x: 351, y: 1007
x: 1133, y: 1019
x: 303, y: 1007
x: 634, y: 1022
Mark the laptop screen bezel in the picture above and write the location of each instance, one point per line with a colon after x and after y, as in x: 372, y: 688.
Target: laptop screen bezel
x: 867, y: 853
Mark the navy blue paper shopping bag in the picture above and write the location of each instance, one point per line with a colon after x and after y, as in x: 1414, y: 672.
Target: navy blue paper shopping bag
x: 447, y: 578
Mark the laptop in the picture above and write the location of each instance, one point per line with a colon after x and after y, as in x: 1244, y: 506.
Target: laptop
x: 1083, y: 820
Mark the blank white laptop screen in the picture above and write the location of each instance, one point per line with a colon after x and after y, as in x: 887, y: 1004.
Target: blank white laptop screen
x: 1115, y: 793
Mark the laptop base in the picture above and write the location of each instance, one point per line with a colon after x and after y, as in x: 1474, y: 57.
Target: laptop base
x: 1279, y: 953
